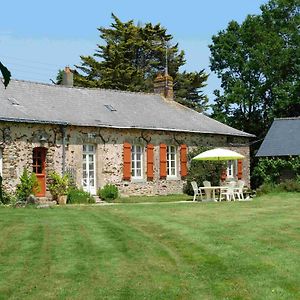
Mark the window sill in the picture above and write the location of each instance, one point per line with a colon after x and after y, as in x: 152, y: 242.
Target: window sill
x: 137, y: 180
x: 172, y: 178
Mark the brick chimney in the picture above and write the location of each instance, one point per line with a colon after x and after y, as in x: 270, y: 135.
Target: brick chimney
x: 67, y: 78
x: 163, y: 85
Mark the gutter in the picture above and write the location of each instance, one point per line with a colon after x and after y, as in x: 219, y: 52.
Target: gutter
x: 21, y: 120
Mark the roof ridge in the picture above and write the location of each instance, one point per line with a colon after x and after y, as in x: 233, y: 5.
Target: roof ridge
x: 288, y: 118
x: 82, y: 88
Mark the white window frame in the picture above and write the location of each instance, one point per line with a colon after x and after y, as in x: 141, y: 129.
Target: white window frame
x: 137, y: 151
x: 1, y: 162
x: 231, y: 168
x: 171, y: 149
x: 87, y: 151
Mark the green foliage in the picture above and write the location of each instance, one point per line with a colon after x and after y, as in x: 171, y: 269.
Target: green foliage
x: 200, y: 171
x: 268, y: 170
x: 28, y: 185
x: 258, y: 64
x: 132, y: 56
x: 1, y: 190
x: 6, y: 74
x: 7, y: 198
x: 58, y: 185
x: 79, y: 196
x: 108, y: 193
x: 285, y: 186
x: 266, y: 188
x: 289, y: 186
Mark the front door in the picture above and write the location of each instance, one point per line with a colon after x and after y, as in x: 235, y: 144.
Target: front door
x: 39, y: 168
x: 89, y: 169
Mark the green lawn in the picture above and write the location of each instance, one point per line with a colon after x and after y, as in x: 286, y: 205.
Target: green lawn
x: 148, y: 199
x: 229, y: 250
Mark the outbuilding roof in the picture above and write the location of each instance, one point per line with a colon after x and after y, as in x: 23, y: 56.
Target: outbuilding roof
x: 24, y: 101
x: 282, y: 139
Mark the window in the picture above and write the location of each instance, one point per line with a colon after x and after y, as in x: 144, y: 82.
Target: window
x: 1, y: 163
x: 137, y: 161
x: 171, y: 161
x: 231, y: 168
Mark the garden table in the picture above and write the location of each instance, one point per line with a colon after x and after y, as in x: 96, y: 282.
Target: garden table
x: 211, y: 191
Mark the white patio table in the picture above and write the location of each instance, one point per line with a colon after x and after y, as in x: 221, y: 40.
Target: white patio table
x: 210, y: 191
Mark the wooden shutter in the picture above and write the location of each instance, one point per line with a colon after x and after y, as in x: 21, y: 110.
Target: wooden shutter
x: 126, y: 161
x: 183, y: 160
x: 240, y: 169
x: 163, y: 161
x: 150, y: 158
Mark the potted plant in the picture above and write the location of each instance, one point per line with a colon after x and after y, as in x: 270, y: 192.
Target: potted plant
x: 58, y: 187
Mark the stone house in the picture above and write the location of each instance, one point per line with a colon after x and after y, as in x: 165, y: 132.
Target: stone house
x: 136, y: 141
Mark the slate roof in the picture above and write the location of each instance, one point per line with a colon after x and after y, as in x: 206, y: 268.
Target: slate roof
x: 24, y: 101
x: 282, y: 139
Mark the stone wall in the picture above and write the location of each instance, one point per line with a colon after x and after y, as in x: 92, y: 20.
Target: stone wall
x: 17, y: 141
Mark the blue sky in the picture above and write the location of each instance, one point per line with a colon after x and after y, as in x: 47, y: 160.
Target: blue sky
x: 39, y: 37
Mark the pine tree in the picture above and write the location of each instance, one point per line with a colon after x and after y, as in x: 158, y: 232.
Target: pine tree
x: 132, y: 56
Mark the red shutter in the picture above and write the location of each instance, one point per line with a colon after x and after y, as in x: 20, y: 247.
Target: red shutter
x: 163, y: 161
x: 183, y: 160
x: 126, y: 161
x: 150, y: 157
x: 240, y: 169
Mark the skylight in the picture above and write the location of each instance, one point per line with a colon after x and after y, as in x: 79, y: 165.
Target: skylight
x: 110, y: 107
x: 13, y: 101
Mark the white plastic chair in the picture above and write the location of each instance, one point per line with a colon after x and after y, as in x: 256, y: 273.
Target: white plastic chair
x: 227, y: 192
x: 197, y: 191
x: 238, y: 190
x: 206, y: 183
x: 207, y: 192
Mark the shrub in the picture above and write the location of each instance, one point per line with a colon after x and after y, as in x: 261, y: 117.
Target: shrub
x: 7, y: 198
x: 58, y: 184
x: 28, y: 185
x: 77, y: 196
x: 289, y: 186
x: 269, y: 170
x: 1, y: 190
x: 266, y: 188
x: 285, y: 186
x: 108, y: 193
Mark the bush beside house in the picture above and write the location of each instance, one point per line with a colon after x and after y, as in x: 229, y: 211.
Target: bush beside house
x: 108, y: 193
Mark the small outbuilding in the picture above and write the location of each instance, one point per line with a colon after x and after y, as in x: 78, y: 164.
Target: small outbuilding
x: 282, y: 139
x: 282, y: 142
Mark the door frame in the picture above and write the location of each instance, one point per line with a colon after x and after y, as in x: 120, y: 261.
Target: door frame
x: 40, y: 152
x: 91, y: 189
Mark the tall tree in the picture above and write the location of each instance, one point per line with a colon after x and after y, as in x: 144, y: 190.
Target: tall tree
x: 258, y: 64
x: 132, y: 56
x: 6, y: 74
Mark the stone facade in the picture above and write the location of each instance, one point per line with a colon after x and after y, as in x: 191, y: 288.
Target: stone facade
x: 17, y: 141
